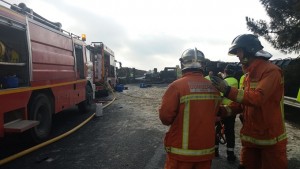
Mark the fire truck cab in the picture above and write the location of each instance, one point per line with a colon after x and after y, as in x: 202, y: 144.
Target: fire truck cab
x: 104, y: 68
x: 42, y: 72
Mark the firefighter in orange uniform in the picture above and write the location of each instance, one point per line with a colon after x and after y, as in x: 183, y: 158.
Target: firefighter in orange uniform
x: 189, y: 107
x: 263, y: 134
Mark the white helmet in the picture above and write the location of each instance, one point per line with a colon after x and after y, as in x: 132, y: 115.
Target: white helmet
x: 192, y: 59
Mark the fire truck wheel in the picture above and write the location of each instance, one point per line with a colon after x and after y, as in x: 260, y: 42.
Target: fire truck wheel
x: 40, y: 110
x: 86, y: 105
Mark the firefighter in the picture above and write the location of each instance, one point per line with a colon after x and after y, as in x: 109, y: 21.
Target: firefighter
x: 263, y: 133
x: 189, y: 107
x: 229, y: 121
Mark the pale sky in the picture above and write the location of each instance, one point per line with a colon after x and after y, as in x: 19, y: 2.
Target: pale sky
x: 147, y: 34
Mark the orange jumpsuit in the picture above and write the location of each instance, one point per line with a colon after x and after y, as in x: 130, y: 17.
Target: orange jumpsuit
x: 263, y: 134
x: 190, y: 105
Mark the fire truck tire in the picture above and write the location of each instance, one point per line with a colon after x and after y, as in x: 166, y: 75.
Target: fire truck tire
x: 40, y: 109
x: 86, y: 105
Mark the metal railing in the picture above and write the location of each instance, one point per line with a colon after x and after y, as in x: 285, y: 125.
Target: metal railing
x: 291, y: 101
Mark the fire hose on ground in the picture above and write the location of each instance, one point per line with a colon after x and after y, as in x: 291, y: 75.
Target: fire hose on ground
x: 36, y: 147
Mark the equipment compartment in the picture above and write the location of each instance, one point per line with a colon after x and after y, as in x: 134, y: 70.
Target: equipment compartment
x: 13, y: 55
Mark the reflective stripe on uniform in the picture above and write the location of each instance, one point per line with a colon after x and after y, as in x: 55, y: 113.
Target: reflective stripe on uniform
x: 187, y: 98
x: 186, y: 123
x: 264, y: 142
x: 240, y: 95
x: 253, y: 85
x: 187, y: 152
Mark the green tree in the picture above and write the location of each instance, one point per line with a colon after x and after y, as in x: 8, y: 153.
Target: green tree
x: 283, y: 30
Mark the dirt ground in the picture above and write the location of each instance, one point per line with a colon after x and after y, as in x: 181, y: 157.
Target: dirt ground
x: 149, y: 98
x: 129, y: 135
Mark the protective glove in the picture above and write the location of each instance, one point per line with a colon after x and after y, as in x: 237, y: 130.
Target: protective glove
x: 220, y: 84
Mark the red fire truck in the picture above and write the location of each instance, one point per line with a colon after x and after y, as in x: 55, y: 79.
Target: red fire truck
x: 43, y: 71
x: 104, y: 68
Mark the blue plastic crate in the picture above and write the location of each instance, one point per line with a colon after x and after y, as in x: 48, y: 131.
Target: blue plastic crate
x: 120, y: 88
x: 10, y: 82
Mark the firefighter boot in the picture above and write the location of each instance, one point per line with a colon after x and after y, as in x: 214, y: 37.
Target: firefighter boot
x: 230, y: 156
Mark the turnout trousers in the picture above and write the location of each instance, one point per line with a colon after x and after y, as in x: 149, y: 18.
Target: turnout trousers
x: 175, y: 164
x: 267, y: 157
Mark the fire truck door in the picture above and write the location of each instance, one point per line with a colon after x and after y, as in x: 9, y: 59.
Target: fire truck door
x: 79, y: 60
